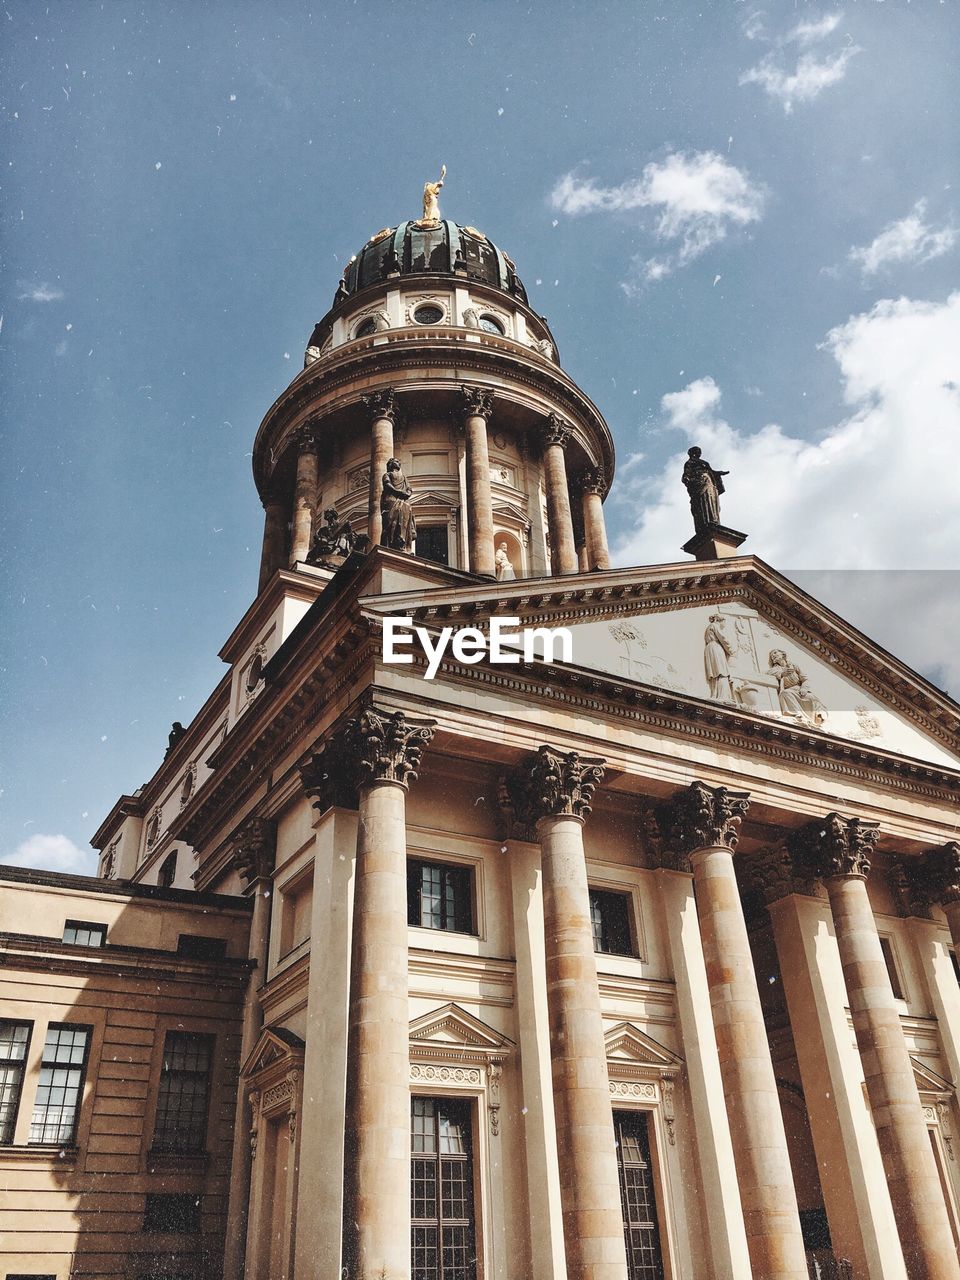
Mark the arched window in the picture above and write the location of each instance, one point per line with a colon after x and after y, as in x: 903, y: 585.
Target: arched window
x: 365, y: 328
x: 492, y: 325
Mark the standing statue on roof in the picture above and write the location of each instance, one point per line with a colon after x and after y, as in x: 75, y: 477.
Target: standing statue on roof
x: 704, y: 485
x: 431, y: 198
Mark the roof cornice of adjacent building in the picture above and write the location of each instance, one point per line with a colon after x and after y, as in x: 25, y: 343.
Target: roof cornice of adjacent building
x: 124, y: 807
x: 30, y: 877
x: 51, y: 955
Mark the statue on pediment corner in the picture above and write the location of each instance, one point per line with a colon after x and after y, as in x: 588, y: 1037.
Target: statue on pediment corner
x: 704, y: 485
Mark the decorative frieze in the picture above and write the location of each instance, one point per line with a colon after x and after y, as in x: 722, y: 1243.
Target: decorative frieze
x: 553, y: 783
x: 834, y: 846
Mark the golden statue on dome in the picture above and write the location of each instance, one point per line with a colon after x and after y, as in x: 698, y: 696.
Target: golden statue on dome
x: 431, y: 200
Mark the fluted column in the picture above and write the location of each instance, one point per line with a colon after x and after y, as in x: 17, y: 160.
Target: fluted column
x: 381, y: 406
x: 594, y: 489
x: 304, y: 495
x: 274, y: 553
x: 702, y: 823
x: 476, y: 406
x: 380, y: 752
x: 253, y: 857
x: 552, y: 795
x: 563, y: 552
x: 839, y: 849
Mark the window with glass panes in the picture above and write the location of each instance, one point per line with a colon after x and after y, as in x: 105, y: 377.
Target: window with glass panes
x: 443, y: 1229
x: 62, y: 1068
x: 14, y: 1039
x: 84, y: 933
x: 439, y: 897
x: 610, y: 917
x: 184, y: 1093
x: 637, y: 1197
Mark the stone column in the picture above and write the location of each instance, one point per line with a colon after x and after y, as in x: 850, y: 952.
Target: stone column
x: 382, y: 752
x: 853, y: 1180
x: 304, y: 495
x: 273, y: 555
x: 701, y: 823
x: 552, y: 794
x: 254, y: 854
x: 934, y: 878
x: 381, y: 406
x: 594, y: 489
x: 838, y: 849
x: 554, y: 434
x: 476, y: 406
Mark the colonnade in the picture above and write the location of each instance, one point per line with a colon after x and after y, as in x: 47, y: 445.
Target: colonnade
x: 575, y: 545
x: 693, y: 835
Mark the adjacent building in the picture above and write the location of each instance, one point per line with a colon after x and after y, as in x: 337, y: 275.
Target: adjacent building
x: 634, y: 964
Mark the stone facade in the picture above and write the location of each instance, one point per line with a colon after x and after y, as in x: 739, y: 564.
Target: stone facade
x: 603, y: 921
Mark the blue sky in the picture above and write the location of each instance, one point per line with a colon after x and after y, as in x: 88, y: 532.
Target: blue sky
x: 741, y: 221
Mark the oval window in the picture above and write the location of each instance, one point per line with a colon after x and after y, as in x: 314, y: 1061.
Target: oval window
x: 365, y: 329
x: 254, y: 673
x: 428, y: 314
x: 492, y: 325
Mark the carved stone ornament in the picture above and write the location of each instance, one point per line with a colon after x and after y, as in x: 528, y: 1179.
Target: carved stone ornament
x: 255, y: 850
x: 772, y: 874
x: 934, y: 877
x: 381, y: 404
x: 553, y: 430
x: 834, y: 846
x: 477, y: 401
x: 306, y: 439
x: 553, y: 783
x: 703, y: 817
x: 592, y: 481
x: 375, y: 746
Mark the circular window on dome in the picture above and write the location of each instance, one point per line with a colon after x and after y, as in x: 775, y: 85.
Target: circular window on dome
x: 492, y: 325
x: 365, y: 328
x: 428, y: 314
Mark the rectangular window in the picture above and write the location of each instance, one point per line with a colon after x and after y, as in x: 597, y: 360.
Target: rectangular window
x: 84, y: 933
x: 610, y: 916
x: 14, y: 1039
x: 443, y: 1228
x: 184, y: 1094
x: 637, y: 1196
x: 194, y: 946
x: 432, y: 543
x: 62, y: 1068
x: 439, y: 896
x: 886, y: 946
x: 176, y: 1213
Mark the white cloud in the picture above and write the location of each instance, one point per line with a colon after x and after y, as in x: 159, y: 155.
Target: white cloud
x: 910, y: 240
x: 52, y: 853
x: 694, y: 196
x: 876, y: 491
x: 41, y: 292
x: 812, y: 73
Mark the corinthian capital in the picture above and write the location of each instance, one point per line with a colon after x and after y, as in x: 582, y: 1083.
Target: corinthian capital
x: 835, y: 846
x: 375, y: 746
x: 553, y: 430
x: 935, y: 876
x: 255, y: 850
x: 702, y: 817
x: 476, y: 402
x: 381, y: 404
x: 592, y: 481
x: 551, y: 784
x: 306, y: 439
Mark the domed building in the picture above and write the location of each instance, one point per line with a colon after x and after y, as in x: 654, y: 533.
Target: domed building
x: 501, y: 915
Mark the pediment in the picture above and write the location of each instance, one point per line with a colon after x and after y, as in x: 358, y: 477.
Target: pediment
x: 453, y: 1028
x: 928, y: 1080
x: 431, y: 498
x: 510, y: 511
x: 276, y: 1046
x: 628, y: 1046
x: 733, y: 652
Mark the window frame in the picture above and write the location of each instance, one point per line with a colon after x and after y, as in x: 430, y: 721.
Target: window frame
x: 627, y: 894
x: 471, y: 1159
x: 468, y: 870
x: 86, y: 926
x: 8, y: 1138
x: 171, y: 1147
x: 891, y: 963
x: 656, y: 1179
x: 70, y: 1141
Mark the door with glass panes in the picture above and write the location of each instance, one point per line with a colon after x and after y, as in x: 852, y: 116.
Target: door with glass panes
x: 637, y: 1196
x: 443, y: 1224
